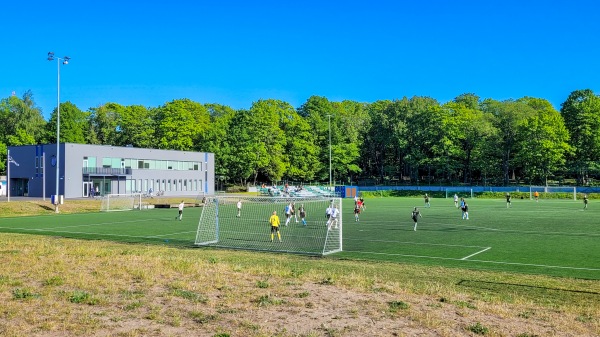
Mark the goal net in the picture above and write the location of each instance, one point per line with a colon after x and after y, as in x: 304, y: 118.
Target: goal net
x: 460, y: 192
x: 553, y: 192
x: 121, y: 202
x: 222, y: 225
x: 200, y: 198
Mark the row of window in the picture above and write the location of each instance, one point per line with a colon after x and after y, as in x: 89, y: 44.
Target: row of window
x: 144, y: 164
x: 167, y: 185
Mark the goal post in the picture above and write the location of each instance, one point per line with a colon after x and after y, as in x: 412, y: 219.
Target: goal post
x: 553, y: 192
x: 221, y: 225
x: 464, y: 192
x: 121, y: 202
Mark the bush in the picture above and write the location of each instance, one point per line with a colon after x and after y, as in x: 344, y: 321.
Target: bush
x: 525, y: 195
x: 402, y: 193
x: 236, y: 189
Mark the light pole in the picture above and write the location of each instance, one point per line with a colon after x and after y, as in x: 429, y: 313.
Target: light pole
x: 329, y: 125
x: 65, y: 60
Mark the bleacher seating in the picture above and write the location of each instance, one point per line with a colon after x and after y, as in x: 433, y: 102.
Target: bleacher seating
x: 292, y: 191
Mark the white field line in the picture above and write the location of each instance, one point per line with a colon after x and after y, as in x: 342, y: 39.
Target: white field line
x: 479, y: 252
x: 413, y: 243
x: 187, y: 232
x: 479, y: 261
x: 426, y: 225
x: 96, y: 234
x: 521, y: 231
x: 102, y: 223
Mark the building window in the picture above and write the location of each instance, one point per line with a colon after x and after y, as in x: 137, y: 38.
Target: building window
x: 129, y: 186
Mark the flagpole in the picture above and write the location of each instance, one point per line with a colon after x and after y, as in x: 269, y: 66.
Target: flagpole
x: 8, y: 176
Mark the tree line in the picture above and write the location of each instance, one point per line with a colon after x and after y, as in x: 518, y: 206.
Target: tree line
x: 414, y: 140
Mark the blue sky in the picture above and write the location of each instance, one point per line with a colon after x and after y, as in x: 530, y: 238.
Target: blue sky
x: 237, y: 52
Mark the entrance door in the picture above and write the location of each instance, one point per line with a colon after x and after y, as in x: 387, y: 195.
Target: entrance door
x: 87, y: 188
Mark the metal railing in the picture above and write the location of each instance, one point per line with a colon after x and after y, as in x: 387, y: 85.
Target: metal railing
x: 107, y: 171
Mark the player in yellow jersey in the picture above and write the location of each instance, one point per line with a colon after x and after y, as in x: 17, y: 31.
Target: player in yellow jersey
x: 274, y: 221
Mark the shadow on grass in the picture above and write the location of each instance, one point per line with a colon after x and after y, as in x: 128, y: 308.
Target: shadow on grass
x: 46, y: 207
x: 538, y: 294
x: 489, y: 285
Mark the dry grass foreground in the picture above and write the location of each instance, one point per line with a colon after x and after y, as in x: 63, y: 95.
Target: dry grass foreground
x: 63, y: 287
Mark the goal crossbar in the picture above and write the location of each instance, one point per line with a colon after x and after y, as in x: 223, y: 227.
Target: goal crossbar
x: 121, y: 202
x: 462, y: 192
x: 544, y: 191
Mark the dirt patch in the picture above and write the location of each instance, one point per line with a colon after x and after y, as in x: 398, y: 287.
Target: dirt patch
x: 61, y: 287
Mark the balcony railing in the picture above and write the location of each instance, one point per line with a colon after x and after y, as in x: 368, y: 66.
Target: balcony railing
x: 107, y: 171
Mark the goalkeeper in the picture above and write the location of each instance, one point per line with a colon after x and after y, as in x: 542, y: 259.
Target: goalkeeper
x: 274, y: 221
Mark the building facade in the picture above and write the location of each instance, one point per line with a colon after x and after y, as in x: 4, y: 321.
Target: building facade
x: 86, y: 170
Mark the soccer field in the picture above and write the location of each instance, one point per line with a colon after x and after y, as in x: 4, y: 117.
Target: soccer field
x: 552, y: 237
x: 148, y: 226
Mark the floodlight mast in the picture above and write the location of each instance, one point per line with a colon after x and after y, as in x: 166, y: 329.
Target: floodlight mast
x: 329, y: 126
x: 65, y: 60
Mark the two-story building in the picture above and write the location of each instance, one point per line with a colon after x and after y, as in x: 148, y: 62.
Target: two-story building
x: 103, y: 169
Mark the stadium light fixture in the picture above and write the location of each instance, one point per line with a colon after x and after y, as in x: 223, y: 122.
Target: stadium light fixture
x: 65, y: 60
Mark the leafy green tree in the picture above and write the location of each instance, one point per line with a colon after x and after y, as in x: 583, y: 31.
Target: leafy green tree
x: 423, y: 117
x: 543, y: 141
x: 179, y: 123
x: 105, y: 122
x: 138, y: 127
x: 350, y: 123
x: 379, y: 153
x: 73, y: 124
x: 508, y: 118
x: 301, y: 154
x: 581, y: 113
x: 315, y: 111
x: 22, y: 121
x: 466, y: 130
x: 270, y: 140
x: 257, y: 143
x: 214, y: 138
x: 3, y: 155
x: 242, y: 158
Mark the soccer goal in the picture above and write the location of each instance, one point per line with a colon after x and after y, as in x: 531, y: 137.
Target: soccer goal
x: 553, y: 192
x: 221, y: 224
x: 121, y: 202
x: 461, y: 192
x: 200, y: 198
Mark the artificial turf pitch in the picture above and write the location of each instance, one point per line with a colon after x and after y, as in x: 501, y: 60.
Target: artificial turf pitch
x: 550, y: 237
